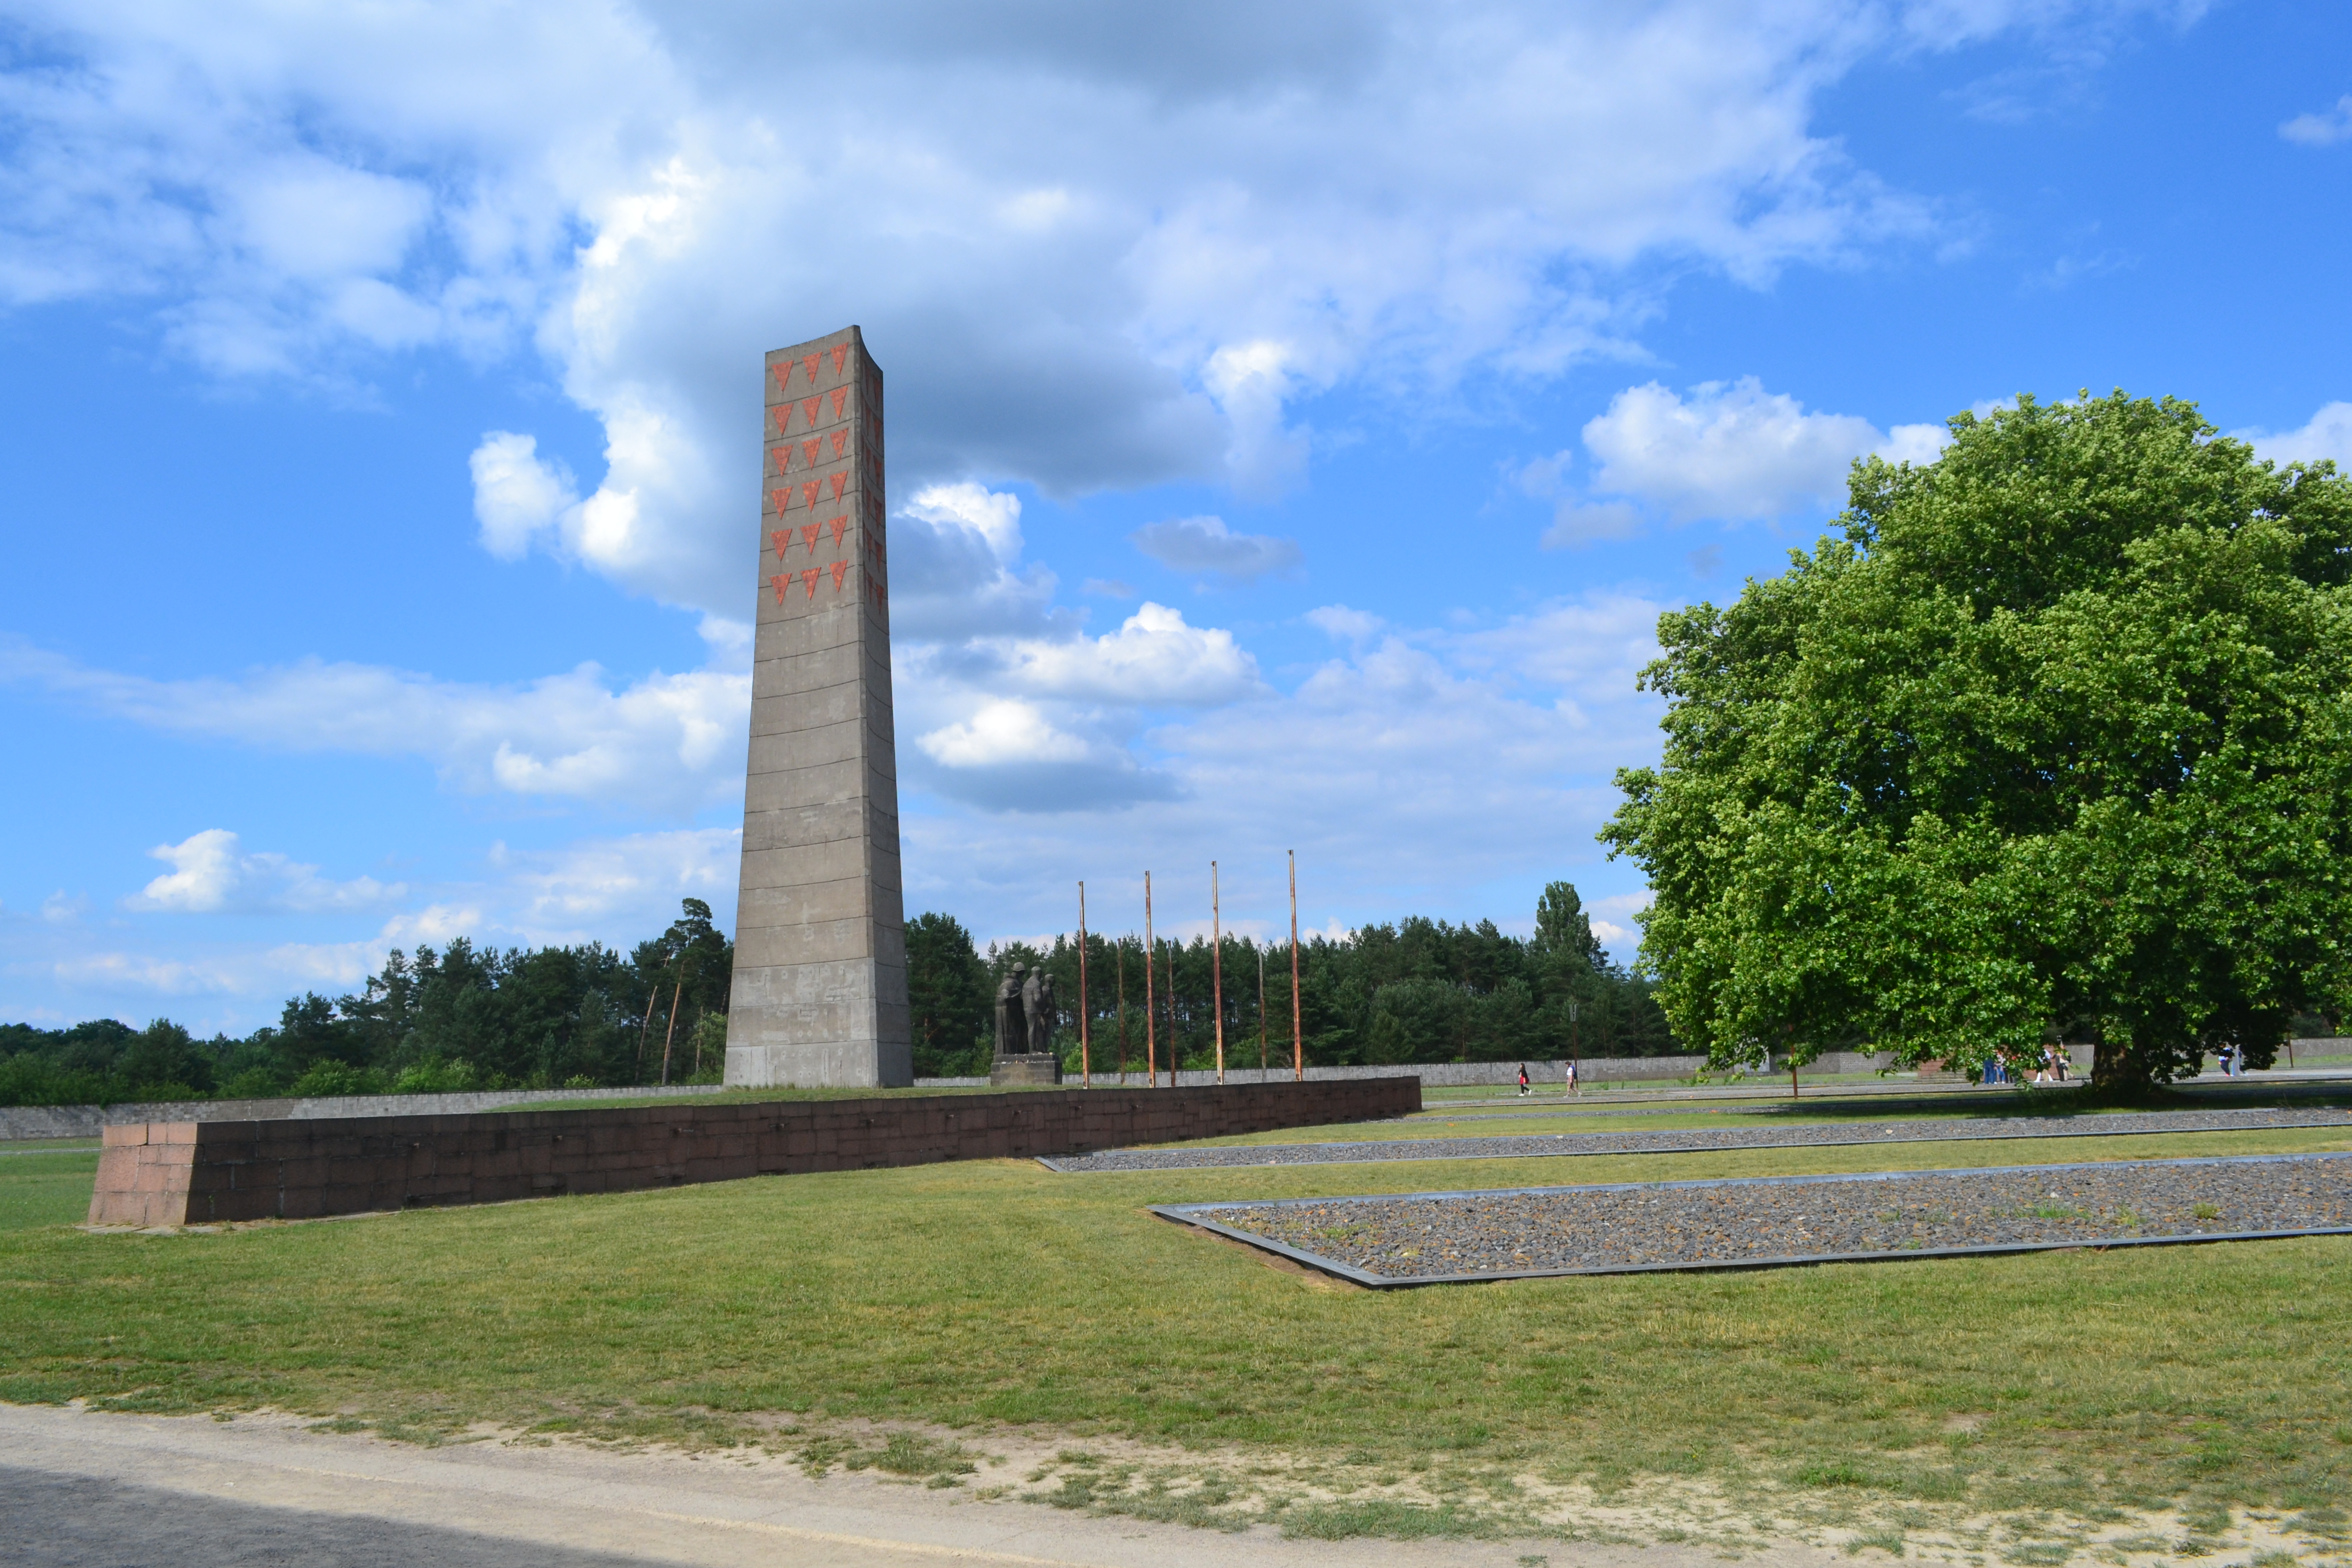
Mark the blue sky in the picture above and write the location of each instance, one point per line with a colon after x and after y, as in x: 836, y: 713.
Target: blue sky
x: 1299, y: 416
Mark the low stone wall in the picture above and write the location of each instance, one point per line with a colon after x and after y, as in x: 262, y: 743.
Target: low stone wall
x: 1465, y: 1075
x: 85, y: 1120
x: 182, y: 1173
x: 1433, y: 1075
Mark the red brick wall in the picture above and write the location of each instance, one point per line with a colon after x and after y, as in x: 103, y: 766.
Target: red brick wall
x: 142, y: 1173
x: 192, y: 1173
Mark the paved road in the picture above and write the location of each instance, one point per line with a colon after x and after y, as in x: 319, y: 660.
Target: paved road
x: 126, y: 1491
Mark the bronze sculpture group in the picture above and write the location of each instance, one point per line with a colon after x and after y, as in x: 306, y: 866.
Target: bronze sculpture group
x: 1025, y: 1013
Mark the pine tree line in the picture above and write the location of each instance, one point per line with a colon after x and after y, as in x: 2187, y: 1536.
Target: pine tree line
x: 459, y: 1017
x: 1419, y: 991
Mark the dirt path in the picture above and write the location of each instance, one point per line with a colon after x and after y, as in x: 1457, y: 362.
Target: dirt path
x: 82, y: 1487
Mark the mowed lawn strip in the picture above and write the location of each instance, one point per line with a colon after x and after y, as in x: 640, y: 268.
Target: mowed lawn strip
x: 998, y: 1292
x: 47, y: 1187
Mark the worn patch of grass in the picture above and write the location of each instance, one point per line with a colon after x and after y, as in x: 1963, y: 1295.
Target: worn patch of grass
x: 1381, y: 1515
x: 970, y: 1295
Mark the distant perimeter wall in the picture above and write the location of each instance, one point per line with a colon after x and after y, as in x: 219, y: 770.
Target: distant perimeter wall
x: 85, y: 1120
x: 1458, y: 1075
x: 189, y: 1173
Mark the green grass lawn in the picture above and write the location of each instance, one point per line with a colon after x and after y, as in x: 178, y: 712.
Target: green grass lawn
x: 975, y: 1295
x: 49, y: 1186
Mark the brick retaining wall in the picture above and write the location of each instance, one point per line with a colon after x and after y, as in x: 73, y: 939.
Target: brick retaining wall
x: 186, y: 1172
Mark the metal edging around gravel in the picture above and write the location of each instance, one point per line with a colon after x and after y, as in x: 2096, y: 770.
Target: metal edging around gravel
x: 1736, y: 1141
x: 1187, y: 1213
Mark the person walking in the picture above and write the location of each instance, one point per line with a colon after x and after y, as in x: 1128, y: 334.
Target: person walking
x: 1523, y: 1080
x: 1572, y: 1077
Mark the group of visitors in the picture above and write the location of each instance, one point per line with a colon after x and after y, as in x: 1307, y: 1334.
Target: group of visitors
x: 2053, y: 1068
x: 1527, y: 1087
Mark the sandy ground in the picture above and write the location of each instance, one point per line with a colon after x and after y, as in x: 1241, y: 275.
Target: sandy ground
x: 78, y: 1488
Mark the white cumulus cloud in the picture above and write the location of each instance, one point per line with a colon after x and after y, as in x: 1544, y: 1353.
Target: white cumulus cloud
x: 1107, y: 250
x: 2324, y: 128
x: 2326, y: 437
x: 955, y: 572
x: 1002, y: 732
x: 1154, y: 660
x: 210, y: 872
x: 663, y: 742
x: 1734, y: 451
x: 518, y: 495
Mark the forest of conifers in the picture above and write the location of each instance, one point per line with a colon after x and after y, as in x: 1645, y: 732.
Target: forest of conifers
x: 1419, y: 991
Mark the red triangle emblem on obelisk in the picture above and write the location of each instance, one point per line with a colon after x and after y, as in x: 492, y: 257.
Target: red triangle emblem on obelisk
x: 840, y: 483
x: 781, y: 538
x: 809, y: 364
x: 809, y: 577
x: 838, y: 568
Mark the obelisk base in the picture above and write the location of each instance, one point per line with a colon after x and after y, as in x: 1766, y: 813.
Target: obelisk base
x: 1041, y: 1067
x: 851, y: 1064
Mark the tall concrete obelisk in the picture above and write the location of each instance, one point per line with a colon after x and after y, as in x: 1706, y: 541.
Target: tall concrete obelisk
x: 820, y: 992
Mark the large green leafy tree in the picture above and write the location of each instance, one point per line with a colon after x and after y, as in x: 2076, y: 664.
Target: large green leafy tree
x: 949, y: 997
x: 2058, y: 736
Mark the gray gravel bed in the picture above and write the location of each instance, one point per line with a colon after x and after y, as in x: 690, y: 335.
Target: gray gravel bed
x: 1689, y: 1140
x: 1427, y: 1238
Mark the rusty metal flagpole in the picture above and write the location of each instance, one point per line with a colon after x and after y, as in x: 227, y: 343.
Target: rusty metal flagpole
x: 1297, y: 1054
x: 1151, y: 1014
x: 1085, y: 1068
x: 1173, y: 1058
x: 1217, y: 968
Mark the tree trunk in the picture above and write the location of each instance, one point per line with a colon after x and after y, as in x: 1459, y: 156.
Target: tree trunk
x: 653, y: 995
x: 2117, y: 1069
x: 669, y: 1035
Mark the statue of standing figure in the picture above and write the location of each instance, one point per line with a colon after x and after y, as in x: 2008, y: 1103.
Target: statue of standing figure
x: 1012, y: 1029
x: 1037, y: 1002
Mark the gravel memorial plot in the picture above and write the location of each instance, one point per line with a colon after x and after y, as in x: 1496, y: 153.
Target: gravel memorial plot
x: 1691, y: 1140
x: 1432, y: 1238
